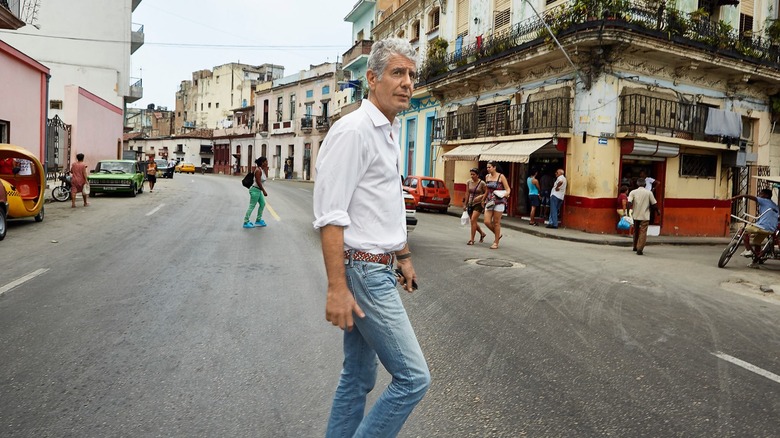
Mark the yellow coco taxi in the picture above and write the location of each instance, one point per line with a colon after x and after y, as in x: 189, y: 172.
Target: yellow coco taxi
x: 185, y: 168
x: 24, y: 182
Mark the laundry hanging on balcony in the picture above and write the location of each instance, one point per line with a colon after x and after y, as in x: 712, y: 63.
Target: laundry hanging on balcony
x: 724, y: 123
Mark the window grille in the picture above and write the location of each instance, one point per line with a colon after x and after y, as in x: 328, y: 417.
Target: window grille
x: 698, y: 166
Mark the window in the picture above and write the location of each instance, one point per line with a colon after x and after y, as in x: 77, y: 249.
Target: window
x: 309, y: 94
x: 462, y: 27
x: 209, y: 104
x: 359, y: 36
x: 326, y: 90
x: 55, y: 104
x: 416, y: 30
x: 292, y: 106
x: 5, y: 131
x: 279, y: 105
x: 201, y: 106
x: 745, y: 25
x: 501, y: 14
x: 217, y: 104
x: 308, y: 109
x: 698, y: 166
x: 433, y: 19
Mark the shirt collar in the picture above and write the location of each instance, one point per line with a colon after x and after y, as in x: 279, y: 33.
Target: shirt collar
x: 376, y: 116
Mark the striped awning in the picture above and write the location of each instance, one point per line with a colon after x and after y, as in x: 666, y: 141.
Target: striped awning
x: 514, y: 151
x: 468, y: 152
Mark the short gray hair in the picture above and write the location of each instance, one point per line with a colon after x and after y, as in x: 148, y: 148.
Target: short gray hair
x: 382, y: 50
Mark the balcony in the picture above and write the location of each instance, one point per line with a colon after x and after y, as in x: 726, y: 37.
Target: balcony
x: 283, y: 127
x: 136, y: 38
x: 9, y: 14
x: 357, y: 56
x: 306, y: 124
x: 323, y: 123
x: 136, y: 91
x: 668, y: 117
x: 672, y: 36
x: 543, y: 116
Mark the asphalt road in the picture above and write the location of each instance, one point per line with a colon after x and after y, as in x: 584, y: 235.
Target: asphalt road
x: 160, y: 316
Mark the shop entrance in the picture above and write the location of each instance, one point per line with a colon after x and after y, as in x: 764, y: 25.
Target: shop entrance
x: 633, y: 169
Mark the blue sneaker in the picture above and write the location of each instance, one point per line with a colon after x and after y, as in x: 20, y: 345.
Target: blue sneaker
x: 248, y: 225
x: 260, y: 223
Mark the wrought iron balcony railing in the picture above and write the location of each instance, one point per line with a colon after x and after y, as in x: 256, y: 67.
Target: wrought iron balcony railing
x: 638, y: 17
x: 654, y: 115
x: 323, y: 123
x: 307, y: 122
x: 548, y: 115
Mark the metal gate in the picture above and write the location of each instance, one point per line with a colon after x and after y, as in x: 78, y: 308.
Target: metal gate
x: 741, y: 185
x: 57, y: 148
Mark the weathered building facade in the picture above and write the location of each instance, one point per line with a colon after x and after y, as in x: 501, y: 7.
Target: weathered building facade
x: 658, y: 88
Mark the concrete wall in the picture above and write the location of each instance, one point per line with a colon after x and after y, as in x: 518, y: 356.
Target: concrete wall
x: 23, y: 102
x: 97, y: 126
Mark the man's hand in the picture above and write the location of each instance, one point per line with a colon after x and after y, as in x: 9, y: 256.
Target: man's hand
x: 409, y: 277
x: 339, y: 307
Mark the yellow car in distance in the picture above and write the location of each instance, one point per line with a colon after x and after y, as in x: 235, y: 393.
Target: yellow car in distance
x: 185, y: 168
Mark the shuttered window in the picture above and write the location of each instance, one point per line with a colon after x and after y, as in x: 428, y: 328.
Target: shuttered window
x: 463, y: 17
x: 746, y: 7
x: 501, y: 14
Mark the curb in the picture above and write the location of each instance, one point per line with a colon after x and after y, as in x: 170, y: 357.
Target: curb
x: 596, y: 239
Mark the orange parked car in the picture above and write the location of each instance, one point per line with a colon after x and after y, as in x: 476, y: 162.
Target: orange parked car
x: 430, y: 193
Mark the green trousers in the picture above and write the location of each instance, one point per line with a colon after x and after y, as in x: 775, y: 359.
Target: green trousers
x: 255, y: 197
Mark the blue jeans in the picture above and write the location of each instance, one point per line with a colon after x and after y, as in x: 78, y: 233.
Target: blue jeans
x: 386, y: 333
x: 555, y: 205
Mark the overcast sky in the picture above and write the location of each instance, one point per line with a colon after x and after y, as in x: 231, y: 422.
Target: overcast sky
x: 182, y: 36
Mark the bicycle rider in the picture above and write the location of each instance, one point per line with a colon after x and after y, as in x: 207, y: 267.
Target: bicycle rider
x: 764, y: 227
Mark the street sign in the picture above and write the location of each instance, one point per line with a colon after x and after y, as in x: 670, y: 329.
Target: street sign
x: 602, y: 140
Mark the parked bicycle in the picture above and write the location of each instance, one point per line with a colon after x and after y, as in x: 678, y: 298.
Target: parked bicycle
x: 61, y: 193
x: 769, y: 248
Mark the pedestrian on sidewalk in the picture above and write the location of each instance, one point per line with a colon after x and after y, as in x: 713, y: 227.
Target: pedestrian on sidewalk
x: 495, y: 201
x: 78, y: 178
x: 151, y: 173
x: 641, y: 200
x: 534, y: 195
x: 475, y: 189
x: 556, y: 198
x: 257, y: 194
x: 359, y: 211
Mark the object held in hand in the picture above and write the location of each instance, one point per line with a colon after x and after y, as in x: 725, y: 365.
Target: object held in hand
x: 400, y: 276
x: 499, y: 193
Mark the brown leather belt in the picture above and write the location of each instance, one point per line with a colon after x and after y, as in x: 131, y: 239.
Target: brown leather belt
x: 385, y: 259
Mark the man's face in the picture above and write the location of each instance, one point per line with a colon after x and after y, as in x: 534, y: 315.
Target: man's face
x: 393, y: 93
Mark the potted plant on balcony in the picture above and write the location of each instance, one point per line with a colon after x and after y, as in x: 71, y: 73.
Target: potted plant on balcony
x: 699, y: 14
x: 772, y: 31
x: 676, y: 25
x: 437, y: 52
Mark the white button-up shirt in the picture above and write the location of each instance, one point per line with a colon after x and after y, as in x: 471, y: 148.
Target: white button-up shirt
x: 358, y: 183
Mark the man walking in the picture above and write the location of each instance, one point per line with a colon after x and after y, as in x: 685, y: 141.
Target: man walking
x: 641, y: 200
x: 556, y: 198
x: 359, y: 210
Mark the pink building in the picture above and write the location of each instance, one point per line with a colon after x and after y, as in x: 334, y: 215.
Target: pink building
x: 23, y: 92
x: 96, y: 126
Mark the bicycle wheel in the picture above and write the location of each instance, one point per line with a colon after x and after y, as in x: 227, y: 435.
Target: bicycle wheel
x: 60, y: 194
x: 725, y: 256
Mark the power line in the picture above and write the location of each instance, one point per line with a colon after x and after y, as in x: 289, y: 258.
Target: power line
x: 185, y: 45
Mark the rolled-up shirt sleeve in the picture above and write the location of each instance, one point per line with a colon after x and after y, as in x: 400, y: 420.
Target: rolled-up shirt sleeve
x: 340, y: 161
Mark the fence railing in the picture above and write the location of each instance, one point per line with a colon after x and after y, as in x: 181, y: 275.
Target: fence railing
x: 548, y: 115
x: 638, y: 17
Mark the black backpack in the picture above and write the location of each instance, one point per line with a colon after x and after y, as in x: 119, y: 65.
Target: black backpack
x: 249, y: 179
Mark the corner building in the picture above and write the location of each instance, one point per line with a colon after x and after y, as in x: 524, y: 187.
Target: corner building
x: 634, y: 87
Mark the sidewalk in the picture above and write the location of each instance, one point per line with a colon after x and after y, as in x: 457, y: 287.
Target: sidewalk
x: 563, y: 233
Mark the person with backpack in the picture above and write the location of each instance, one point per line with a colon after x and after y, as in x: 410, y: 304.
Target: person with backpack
x: 257, y: 193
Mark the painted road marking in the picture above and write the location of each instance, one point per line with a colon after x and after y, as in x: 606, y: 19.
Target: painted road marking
x: 21, y: 280
x: 273, y: 212
x: 156, y: 209
x: 748, y: 366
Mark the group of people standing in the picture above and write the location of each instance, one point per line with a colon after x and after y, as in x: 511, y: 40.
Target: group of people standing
x: 490, y: 197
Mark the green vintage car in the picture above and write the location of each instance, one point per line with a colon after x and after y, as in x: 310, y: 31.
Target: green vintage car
x: 117, y: 176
